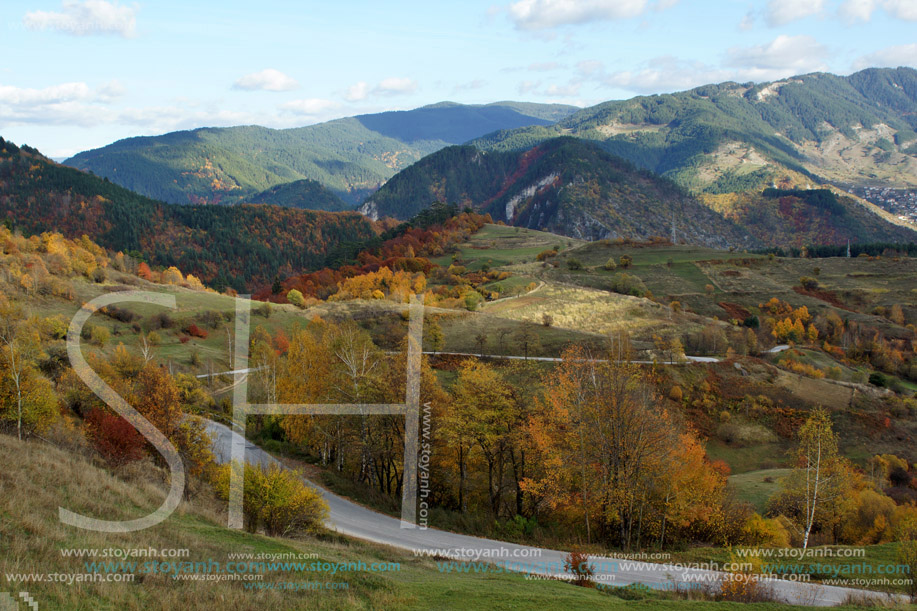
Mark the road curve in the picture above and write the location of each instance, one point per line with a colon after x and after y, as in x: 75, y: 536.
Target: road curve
x: 350, y: 519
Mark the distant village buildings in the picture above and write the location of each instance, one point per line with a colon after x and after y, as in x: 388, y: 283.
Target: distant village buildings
x: 900, y: 202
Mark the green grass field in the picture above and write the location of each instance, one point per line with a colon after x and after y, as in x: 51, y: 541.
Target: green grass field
x: 498, y: 245
x: 756, y: 487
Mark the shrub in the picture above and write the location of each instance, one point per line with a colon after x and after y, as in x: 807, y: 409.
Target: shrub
x: 210, y: 318
x: 574, y: 264
x: 264, y: 310
x: 744, y: 588
x: 161, y: 321
x: 610, y: 265
x: 194, y: 331
x: 114, y: 437
x: 547, y: 320
x: 878, y: 379
x: 100, y: 335
x: 295, y: 297
x: 626, y: 261
x: 810, y: 284
x: 577, y: 563
x: 627, y: 284
x: 472, y: 300
x: 120, y: 314
x: 545, y: 254
x: 276, y: 500
x: 765, y: 532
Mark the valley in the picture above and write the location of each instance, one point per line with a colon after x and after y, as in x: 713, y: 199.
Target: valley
x: 664, y: 348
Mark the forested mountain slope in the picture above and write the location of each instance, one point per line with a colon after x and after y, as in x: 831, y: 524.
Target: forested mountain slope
x: 235, y: 246
x: 729, y: 137
x: 573, y: 187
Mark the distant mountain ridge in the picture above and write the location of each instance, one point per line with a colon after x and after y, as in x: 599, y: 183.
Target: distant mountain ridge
x: 573, y: 187
x: 731, y: 137
x: 352, y: 156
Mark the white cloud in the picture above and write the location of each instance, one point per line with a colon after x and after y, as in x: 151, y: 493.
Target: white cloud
x: 470, y: 86
x: 357, y: 92
x: 310, y: 106
x: 86, y: 18
x: 526, y: 87
x: 858, y: 10
x: 862, y: 10
x: 892, y: 57
x: 748, y: 22
x: 546, y: 14
x: 780, y: 12
x: 395, y: 86
x: 589, y: 66
x: 386, y: 87
x: 266, y: 80
x: 570, y: 90
x: 663, y: 74
x: 902, y: 9
x: 784, y: 56
x: 110, y: 91
x: 544, y: 66
x: 56, y: 94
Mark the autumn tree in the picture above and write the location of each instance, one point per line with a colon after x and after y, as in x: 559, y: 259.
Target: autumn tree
x: 482, y: 413
x: 608, y: 451
x: 811, y: 491
x: 26, y: 397
x: 527, y: 339
x: 433, y: 331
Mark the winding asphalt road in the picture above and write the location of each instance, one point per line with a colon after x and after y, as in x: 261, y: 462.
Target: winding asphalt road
x: 357, y: 521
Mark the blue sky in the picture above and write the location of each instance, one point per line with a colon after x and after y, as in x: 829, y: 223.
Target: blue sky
x: 78, y: 74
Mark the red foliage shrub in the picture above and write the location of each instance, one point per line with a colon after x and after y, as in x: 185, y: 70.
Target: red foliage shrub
x: 114, y: 437
x: 194, y: 331
x: 281, y: 342
x: 143, y: 271
x: 184, y: 339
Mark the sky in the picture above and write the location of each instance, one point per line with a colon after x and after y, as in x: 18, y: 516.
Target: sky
x: 79, y: 74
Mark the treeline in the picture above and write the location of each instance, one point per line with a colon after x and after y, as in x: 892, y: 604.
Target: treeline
x: 236, y: 247
x: 823, y: 251
x: 824, y: 199
x: 382, y: 265
x: 587, y: 447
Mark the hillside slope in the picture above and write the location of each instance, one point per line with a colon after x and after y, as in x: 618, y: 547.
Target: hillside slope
x: 351, y: 156
x: 236, y: 246
x: 306, y: 194
x: 729, y: 137
x: 38, y: 478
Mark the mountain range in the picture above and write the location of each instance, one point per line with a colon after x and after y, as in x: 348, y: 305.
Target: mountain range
x: 352, y: 157
x: 576, y: 188
x: 239, y: 247
x: 729, y: 137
